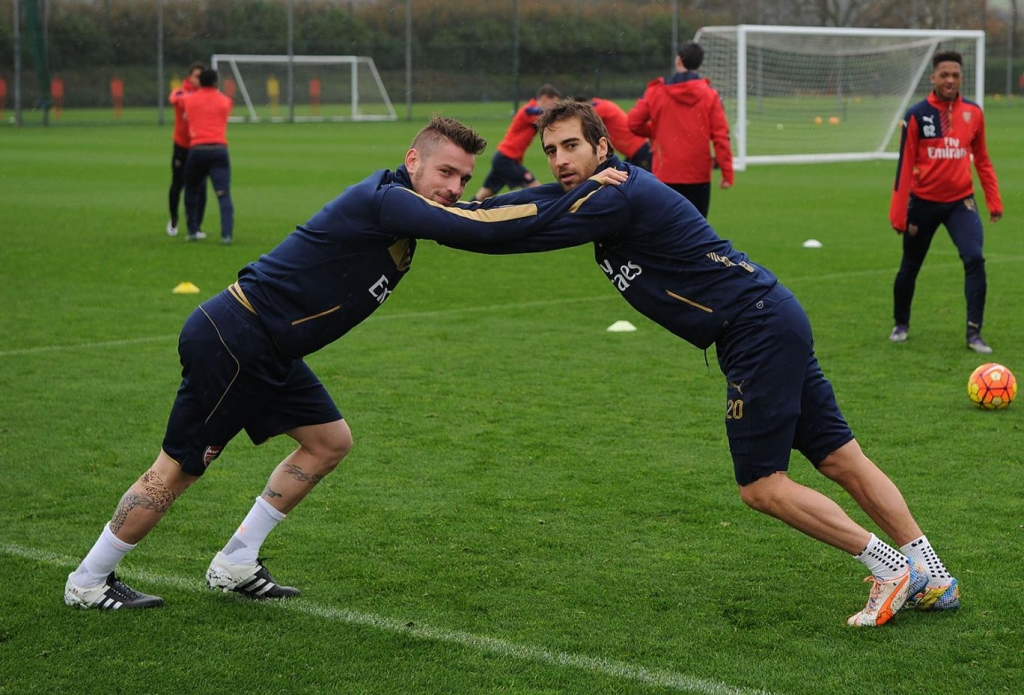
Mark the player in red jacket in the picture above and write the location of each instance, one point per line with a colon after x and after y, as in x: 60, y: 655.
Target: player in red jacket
x: 182, y: 143
x: 681, y: 115
x: 635, y: 149
x: 507, y: 165
x: 207, y: 111
x: 934, y: 186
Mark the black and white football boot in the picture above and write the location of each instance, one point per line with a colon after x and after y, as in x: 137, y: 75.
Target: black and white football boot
x: 250, y: 580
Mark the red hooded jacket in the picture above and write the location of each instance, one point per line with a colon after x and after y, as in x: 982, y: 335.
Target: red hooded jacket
x: 681, y: 117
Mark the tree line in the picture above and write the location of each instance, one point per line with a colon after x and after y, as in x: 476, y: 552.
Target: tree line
x: 446, y: 34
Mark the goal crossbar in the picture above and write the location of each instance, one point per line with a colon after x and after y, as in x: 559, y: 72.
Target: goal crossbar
x: 755, y: 70
x: 355, y: 63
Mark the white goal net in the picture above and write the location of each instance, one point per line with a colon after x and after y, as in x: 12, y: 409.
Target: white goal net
x: 809, y: 94
x: 320, y: 88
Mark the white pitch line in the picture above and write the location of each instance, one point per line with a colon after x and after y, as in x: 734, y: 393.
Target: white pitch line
x: 489, y: 308
x: 656, y: 677
x: 81, y: 346
x: 389, y: 317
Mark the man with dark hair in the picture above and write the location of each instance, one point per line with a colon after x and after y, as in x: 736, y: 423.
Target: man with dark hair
x: 182, y: 143
x: 681, y: 115
x: 242, y: 355
x: 934, y: 186
x: 660, y: 253
x: 507, y: 167
x: 207, y: 111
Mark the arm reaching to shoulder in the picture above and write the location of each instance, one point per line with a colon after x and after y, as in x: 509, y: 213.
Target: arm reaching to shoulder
x: 596, y: 215
x: 405, y: 212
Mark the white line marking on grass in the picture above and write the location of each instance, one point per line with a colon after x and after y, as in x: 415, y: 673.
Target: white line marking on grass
x: 86, y: 346
x: 830, y: 277
x: 388, y: 317
x: 617, y: 669
x: 401, y: 316
x: 656, y: 677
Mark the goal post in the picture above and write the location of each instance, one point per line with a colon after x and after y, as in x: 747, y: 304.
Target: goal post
x: 813, y: 94
x: 324, y: 88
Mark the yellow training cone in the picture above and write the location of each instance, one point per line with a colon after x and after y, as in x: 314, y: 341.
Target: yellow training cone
x: 185, y: 288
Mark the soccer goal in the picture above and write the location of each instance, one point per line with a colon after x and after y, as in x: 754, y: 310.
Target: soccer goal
x: 324, y: 88
x: 810, y: 94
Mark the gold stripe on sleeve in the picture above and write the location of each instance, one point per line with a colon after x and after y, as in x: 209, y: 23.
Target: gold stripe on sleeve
x: 504, y: 213
x: 684, y: 300
x: 316, y: 316
x: 236, y: 291
x: 576, y: 206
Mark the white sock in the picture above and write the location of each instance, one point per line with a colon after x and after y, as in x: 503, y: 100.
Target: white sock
x: 101, y: 560
x: 244, y: 546
x: 920, y: 551
x: 882, y: 560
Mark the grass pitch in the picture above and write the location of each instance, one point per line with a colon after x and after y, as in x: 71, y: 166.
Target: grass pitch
x: 533, y: 505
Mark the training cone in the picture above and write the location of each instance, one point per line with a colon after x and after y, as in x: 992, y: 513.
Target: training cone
x: 621, y: 327
x: 185, y: 288
x: 812, y: 244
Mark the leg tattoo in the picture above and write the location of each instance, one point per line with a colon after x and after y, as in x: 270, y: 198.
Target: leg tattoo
x: 154, y: 496
x: 300, y: 475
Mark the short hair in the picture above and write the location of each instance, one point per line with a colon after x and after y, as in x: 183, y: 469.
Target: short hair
x: 198, y: 65
x: 592, y: 125
x: 947, y: 57
x: 692, y: 55
x: 547, y: 90
x: 441, y: 129
x: 208, y: 78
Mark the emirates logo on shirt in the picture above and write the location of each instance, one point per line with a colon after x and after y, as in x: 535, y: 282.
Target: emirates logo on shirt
x: 950, y: 149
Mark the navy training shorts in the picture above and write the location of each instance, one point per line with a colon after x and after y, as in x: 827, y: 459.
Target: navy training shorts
x: 506, y: 171
x: 233, y: 378
x: 777, y: 397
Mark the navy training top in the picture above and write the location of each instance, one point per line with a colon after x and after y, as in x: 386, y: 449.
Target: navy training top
x: 655, y: 248
x: 335, y: 270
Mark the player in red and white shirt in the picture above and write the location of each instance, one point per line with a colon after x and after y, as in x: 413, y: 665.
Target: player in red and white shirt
x: 507, y: 165
x: 182, y: 143
x: 941, y: 135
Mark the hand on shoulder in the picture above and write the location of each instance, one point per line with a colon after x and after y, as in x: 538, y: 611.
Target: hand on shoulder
x: 609, y: 176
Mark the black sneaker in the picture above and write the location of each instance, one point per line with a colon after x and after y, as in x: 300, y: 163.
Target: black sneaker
x: 975, y: 342
x: 252, y: 581
x: 113, y: 595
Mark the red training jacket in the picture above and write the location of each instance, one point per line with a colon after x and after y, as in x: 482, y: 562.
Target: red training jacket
x: 939, y: 137
x: 181, y: 136
x: 615, y: 121
x: 681, y: 118
x: 520, y: 133
x: 207, y: 111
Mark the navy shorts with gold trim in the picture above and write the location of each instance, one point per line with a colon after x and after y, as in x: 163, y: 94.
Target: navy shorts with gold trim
x: 506, y: 171
x: 233, y: 378
x: 777, y: 398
